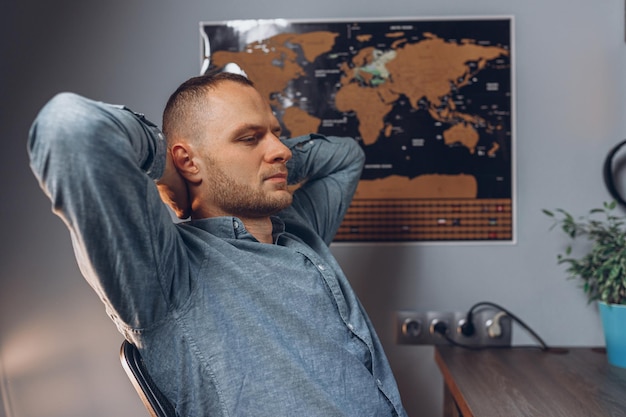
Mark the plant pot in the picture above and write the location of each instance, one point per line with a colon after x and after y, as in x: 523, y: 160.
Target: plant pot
x: 614, y: 326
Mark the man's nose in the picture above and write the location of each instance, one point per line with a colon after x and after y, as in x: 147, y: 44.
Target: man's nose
x: 278, y: 151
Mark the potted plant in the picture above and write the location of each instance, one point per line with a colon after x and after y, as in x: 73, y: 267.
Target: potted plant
x: 601, y: 268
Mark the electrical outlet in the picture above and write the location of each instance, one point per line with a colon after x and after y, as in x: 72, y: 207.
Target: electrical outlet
x: 491, y: 328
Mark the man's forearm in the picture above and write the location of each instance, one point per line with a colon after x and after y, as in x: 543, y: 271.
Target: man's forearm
x: 329, y: 169
x: 316, y: 156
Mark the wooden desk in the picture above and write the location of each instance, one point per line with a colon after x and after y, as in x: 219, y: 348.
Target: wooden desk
x: 529, y: 382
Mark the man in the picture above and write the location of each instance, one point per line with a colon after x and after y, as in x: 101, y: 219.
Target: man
x: 241, y: 310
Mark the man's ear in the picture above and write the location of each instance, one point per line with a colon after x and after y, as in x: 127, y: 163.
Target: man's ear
x: 185, y: 163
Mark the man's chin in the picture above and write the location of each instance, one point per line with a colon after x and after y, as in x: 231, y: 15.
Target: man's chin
x: 278, y: 204
x: 285, y: 201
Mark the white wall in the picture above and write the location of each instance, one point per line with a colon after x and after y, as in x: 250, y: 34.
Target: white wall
x: 58, y: 350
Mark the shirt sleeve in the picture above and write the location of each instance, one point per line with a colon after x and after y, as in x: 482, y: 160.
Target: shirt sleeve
x: 97, y: 164
x: 328, y: 169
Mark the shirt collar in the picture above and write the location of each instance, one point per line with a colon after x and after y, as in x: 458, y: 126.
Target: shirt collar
x: 233, y: 228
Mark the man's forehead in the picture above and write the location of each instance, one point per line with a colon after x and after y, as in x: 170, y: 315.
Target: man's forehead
x: 235, y: 112
x: 231, y: 94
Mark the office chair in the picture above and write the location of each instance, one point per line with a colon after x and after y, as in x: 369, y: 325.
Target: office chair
x: 151, y: 396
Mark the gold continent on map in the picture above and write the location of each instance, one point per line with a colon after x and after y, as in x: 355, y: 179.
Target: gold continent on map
x: 464, y: 134
x: 259, y: 65
x: 368, y: 105
x: 299, y: 122
x: 271, y: 64
x: 424, y: 186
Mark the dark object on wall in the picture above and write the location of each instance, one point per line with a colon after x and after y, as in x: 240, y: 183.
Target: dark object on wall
x: 609, y: 173
x: 151, y: 396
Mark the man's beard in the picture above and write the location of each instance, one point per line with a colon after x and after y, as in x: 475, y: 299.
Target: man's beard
x: 242, y: 200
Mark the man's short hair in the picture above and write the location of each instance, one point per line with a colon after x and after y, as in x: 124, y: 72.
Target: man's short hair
x: 186, y: 105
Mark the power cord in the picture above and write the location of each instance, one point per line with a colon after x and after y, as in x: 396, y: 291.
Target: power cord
x: 468, y: 329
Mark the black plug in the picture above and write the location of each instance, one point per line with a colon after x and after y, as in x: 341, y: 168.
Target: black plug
x: 440, y: 327
x: 467, y: 328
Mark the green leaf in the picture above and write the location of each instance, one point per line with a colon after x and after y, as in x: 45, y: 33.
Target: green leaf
x: 601, y: 270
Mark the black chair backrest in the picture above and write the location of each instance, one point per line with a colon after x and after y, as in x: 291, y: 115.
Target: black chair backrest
x: 154, y: 400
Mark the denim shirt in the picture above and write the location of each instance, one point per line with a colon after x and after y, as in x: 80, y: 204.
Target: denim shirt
x: 227, y: 326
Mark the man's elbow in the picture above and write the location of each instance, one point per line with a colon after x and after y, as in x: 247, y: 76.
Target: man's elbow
x: 59, y: 130
x: 58, y: 119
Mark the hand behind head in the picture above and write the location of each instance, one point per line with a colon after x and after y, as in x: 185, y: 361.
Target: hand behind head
x: 173, y: 189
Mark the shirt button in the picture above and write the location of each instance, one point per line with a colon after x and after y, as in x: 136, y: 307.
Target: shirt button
x: 321, y: 267
x: 236, y: 225
x: 378, y: 382
x: 350, y: 326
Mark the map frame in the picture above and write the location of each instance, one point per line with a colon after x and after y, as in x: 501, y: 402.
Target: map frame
x: 449, y: 219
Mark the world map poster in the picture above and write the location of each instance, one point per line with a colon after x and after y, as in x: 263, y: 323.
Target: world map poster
x: 429, y: 100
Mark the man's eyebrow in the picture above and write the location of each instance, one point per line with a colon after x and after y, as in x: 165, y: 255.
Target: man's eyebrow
x: 245, y: 128
x: 251, y: 127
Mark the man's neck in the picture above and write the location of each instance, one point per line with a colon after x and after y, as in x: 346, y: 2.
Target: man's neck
x: 261, y: 228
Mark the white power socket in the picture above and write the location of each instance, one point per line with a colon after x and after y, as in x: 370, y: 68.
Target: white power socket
x: 491, y: 328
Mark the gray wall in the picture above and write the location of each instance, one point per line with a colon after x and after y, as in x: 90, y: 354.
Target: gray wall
x: 58, y: 350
